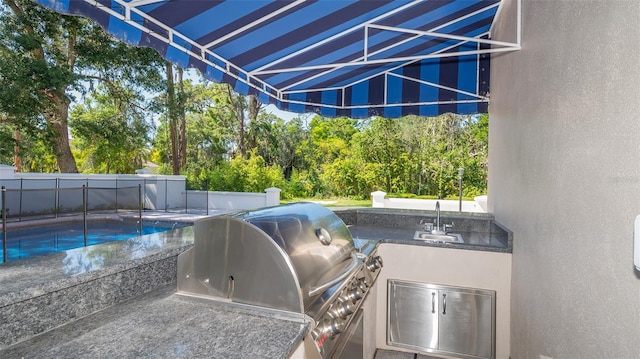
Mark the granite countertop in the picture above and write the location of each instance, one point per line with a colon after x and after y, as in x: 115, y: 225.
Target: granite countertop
x: 95, y: 285
x: 479, y: 241
x: 163, y: 324
x: 28, y: 278
x: 479, y: 231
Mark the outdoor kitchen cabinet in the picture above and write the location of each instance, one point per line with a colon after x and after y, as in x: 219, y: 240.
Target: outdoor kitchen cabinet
x: 441, y: 319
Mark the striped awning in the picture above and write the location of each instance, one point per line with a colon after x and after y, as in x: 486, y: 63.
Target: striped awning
x: 333, y: 57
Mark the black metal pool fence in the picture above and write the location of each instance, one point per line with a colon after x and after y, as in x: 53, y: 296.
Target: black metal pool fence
x: 43, y: 203
x: 62, y: 195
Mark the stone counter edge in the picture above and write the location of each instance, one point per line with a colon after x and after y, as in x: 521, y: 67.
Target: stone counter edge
x: 24, y: 319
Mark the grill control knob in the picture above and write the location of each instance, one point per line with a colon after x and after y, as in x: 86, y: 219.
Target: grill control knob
x: 356, y: 293
x: 374, y: 263
x: 321, y: 333
x: 362, y: 285
x: 328, y: 329
x: 337, y: 326
x: 342, y: 310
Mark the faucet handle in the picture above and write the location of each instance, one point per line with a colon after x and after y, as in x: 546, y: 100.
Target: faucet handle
x: 447, y: 226
x: 428, y: 226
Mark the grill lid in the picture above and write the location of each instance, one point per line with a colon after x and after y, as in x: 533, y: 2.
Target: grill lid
x: 281, y: 257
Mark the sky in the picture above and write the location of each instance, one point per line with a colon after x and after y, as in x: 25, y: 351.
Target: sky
x: 285, y: 115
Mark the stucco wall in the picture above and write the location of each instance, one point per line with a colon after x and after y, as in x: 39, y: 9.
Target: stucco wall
x: 564, y: 138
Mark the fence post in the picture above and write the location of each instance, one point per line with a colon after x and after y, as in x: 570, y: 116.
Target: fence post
x: 20, y: 209
x: 166, y: 205
x: 57, y: 198
x: 186, y: 198
x: 140, y: 206
x: 87, y: 182
x: 4, y: 225
x: 460, y: 173
x: 378, y: 199
x: 84, y: 213
x: 206, y: 183
x: 272, y: 197
x: 144, y: 194
x: 116, y: 194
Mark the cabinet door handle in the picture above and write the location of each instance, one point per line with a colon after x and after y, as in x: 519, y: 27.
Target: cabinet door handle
x: 433, y: 302
x: 444, y: 304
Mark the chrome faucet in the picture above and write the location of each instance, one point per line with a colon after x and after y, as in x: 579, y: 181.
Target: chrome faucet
x: 435, y: 228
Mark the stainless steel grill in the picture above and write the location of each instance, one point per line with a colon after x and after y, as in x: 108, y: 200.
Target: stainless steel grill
x: 298, y: 257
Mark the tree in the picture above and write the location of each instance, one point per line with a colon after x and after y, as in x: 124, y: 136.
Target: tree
x: 244, y: 110
x: 326, y: 156
x: 194, y: 132
x: 380, y: 143
x: 30, y: 149
x: 46, y: 57
x: 277, y: 141
x: 111, y: 135
x: 438, y: 146
x: 176, y: 115
x: 327, y: 141
x: 410, y: 155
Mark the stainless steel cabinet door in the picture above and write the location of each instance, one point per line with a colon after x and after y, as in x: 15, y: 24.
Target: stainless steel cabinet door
x: 412, y: 315
x: 466, y: 322
x: 441, y: 319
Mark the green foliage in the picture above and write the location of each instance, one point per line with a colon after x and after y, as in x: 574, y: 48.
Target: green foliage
x: 47, y: 60
x: 299, y: 185
x: 337, y: 157
x: 35, y: 153
x: 241, y: 174
x: 111, y: 136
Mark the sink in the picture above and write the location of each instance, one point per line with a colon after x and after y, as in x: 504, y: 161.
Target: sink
x: 438, y: 238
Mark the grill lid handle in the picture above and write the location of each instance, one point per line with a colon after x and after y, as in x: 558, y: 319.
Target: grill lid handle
x: 324, y: 236
x: 330, y: 283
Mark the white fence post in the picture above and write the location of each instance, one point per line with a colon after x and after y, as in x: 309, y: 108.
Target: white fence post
x: 273, y: 196
x: 378, y: 199
x: 482, y: 202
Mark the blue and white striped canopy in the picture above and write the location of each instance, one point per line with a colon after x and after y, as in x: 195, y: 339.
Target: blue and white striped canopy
x: 334, y: 57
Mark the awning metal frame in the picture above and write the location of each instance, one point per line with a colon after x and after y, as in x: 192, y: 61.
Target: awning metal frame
x: 251, y: 79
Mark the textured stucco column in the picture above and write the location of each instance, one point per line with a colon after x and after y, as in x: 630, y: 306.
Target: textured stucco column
x: 564, y: 175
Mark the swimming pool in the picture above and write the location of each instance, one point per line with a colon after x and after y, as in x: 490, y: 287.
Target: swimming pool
x: 36, y: 241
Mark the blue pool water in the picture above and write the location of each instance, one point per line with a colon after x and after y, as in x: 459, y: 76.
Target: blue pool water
x: 35, y: 241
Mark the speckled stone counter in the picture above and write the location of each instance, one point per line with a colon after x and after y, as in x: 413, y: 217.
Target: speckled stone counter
x: 118, y: 299
x: 42, y: 293
x: 472, y: 241
x: 162, y: 324
x: 479, y: 231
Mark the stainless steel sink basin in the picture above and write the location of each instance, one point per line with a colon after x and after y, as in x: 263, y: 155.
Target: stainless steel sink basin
x: 438, y: 238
